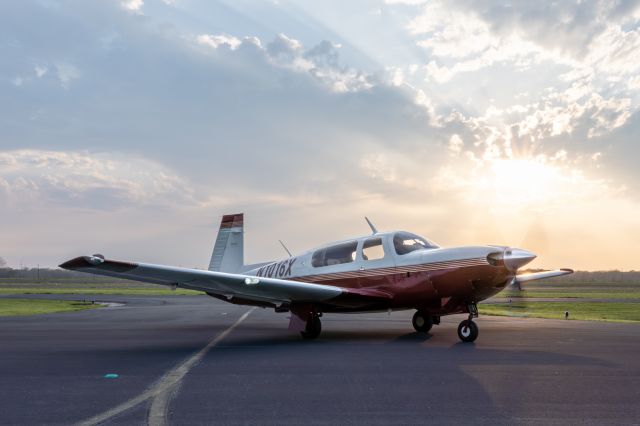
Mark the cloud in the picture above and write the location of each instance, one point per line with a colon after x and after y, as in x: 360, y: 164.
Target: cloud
x: 324, y: 54
x: 284, y: 46
x: 67, y: 73
x: 132, y: 5
x: 35, y: 178
x: 40, y: 71
x: 216, y: 41
x: 570, y: 27
x: 598, y: 37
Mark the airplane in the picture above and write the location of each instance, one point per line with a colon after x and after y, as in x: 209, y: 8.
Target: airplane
x: 382, y: 271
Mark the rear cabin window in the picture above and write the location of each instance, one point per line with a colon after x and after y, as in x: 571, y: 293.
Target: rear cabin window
x: 404, y: 243
x: 335, y: 255
x: 372, y: 249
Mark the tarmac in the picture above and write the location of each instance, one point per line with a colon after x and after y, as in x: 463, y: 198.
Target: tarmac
x: 195, y: 360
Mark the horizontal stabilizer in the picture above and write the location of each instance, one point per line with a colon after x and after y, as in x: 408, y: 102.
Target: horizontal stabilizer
x: 542, y: 275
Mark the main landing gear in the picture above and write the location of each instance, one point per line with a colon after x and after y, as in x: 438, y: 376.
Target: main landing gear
x: 422, y: 321
x: 313, y: 327
x: 468, y: 330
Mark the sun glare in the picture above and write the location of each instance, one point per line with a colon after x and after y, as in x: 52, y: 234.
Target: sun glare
x: 524, y: 182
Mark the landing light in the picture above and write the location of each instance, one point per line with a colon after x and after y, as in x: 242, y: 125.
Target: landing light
x: 251, y: 281
x: 96, y: 259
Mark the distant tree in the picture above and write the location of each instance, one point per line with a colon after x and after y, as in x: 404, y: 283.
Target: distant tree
x: 3, y: 262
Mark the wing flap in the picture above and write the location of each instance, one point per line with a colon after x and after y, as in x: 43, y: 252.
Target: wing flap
x: 542, y: 275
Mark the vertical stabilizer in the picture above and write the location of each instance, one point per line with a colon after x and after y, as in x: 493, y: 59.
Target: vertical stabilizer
x: 228, y: 252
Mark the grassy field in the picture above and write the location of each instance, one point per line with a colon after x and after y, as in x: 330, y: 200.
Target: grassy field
x: 572, y: 294
x: 591, y: 290
x: 14, y: 307
x: 578, y: 308
x: 595, y: 311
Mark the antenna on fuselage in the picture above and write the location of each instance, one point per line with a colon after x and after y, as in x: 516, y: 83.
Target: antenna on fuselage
x: 373, y: 228
x: 285, y: 248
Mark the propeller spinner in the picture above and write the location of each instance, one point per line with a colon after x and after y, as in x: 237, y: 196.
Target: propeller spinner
x: 513, y: 258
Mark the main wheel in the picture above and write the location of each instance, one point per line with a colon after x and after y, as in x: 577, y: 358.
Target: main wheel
x: 422, y: 321
x: 467, y: 331
x: 313, y: 328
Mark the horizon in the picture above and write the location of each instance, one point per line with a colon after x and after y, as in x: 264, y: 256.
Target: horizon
x: 131, y: 126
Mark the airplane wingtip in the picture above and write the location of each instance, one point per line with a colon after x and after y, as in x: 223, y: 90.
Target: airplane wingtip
x: 76, y: 262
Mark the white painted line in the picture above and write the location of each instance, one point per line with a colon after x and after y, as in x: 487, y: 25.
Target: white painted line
x: 169, y: 386
x: 161, y: 391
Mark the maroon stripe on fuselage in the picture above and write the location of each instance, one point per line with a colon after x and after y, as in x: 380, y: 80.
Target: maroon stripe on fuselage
x: 358, y: 274
x: 440, y: 288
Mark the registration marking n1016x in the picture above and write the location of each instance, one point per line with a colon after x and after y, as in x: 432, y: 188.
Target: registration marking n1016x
x: 278, y: 269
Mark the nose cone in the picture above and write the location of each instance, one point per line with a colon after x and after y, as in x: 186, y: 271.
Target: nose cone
x: 515, y: 258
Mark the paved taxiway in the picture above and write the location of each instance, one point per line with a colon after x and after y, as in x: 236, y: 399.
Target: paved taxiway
x: 364, y: 369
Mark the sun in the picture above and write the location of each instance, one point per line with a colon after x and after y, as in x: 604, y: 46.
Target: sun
x: 523, y: 182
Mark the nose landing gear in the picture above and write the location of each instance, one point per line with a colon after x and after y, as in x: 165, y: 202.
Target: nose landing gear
x: 468, y: 330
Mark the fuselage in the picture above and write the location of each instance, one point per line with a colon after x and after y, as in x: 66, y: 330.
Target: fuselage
x: 414, y: 271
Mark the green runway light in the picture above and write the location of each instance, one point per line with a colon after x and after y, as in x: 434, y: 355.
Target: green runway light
x: 111, y: 376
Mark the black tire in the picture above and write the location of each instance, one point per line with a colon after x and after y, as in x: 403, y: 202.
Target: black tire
x: 422, y: 321
x: 467, y: 331
x: 313, y: 328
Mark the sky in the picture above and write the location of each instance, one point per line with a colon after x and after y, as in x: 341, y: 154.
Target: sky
x: 129, y: 127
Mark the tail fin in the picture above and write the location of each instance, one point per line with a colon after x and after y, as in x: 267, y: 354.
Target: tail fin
x: 228, y: 252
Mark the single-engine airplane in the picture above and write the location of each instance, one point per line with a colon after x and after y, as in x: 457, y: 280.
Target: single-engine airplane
x: 382, y: 271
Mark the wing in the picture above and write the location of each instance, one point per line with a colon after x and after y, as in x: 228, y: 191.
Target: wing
x: 541, y: 275
x: 230, y: 286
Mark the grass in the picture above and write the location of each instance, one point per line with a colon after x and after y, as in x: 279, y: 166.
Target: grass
x: 615, y: 294
x: 594, y: 311
x: 13, y: 307
x: 579, y: 290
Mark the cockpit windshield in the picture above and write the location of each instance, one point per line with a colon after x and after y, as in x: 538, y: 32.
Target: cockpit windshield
x: 405, y: 242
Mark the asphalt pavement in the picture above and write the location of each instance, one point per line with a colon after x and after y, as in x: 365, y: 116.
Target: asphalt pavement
x: 196, y: 360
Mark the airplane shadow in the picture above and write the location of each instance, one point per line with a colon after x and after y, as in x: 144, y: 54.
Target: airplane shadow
x: 418, y: 379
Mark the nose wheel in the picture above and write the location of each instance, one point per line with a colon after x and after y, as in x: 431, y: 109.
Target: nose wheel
x: 467, y: 329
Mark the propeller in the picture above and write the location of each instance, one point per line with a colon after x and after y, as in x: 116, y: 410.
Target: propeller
x: 512, y: 259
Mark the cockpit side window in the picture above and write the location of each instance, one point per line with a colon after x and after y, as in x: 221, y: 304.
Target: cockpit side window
x: 372, y: 249
x: 404, y: 243
x: 334, y: 255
